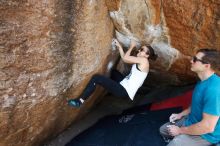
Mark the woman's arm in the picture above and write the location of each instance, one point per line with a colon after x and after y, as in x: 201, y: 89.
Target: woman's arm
x: 126, y: 57
x: 121, y: 51
x: 133, y: 59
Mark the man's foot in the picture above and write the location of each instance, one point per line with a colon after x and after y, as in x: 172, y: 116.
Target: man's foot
x: 74, y: 103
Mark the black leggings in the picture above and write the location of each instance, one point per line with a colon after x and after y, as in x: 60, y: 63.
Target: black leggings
x: 111, y: 85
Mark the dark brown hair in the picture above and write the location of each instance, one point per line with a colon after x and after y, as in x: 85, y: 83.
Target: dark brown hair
x: 152, y: 55
x: 212, y: 57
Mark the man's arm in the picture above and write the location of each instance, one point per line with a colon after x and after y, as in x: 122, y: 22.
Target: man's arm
x: 178, y: 116
x: 185, y: 112
x: 207, y: 125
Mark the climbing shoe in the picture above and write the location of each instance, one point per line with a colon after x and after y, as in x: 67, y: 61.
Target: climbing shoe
x: 74, y: 102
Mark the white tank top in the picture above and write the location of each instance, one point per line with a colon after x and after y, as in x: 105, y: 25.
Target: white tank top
x: 133, y: 81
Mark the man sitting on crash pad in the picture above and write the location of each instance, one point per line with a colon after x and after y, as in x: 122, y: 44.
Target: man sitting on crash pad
x: 199, y: 124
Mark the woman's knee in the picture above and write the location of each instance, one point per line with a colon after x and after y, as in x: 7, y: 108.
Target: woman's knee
x: 96, y: 77
x: 99, y: 79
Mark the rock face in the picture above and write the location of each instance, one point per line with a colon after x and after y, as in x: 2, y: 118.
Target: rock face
x: 174, y: 29
x: 50, y: 49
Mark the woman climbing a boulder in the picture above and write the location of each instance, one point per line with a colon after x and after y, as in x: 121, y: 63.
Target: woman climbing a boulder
x: 122, y: 86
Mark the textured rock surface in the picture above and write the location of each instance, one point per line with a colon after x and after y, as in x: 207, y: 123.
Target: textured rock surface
x: 175, y: 29
x: 113, y: 5
x: 49, y: 50
x: 46, y: 47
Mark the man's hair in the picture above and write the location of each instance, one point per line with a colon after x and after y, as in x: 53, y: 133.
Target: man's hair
x: 212, y: 57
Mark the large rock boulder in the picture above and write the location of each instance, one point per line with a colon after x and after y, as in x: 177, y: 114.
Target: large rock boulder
x: 175, y: 29
x: 48, y: 47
